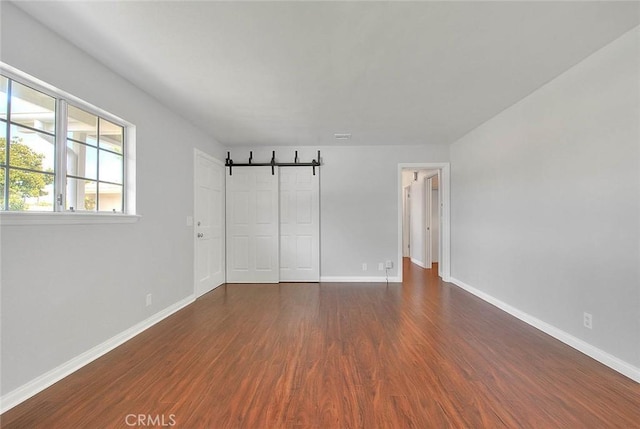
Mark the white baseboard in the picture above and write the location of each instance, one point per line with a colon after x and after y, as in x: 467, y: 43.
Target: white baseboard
x: 358, y: 279
x: 418, y: 263
x: 601, y: 356
x: 40, y: 383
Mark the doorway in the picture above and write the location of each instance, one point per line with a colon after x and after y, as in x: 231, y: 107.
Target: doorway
x: 432, y: 243
x: 419, y: 217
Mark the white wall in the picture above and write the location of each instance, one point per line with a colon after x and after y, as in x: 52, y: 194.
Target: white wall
x: 66, y: 289
x: 358, y: 201
x: 546, y: 207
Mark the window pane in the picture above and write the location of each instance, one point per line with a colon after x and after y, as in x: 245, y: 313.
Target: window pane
x: 82, y: 160
x: 30, y: 149
x: 82, y: 126
x: 3, y: 143
x: 32, y: 108
x: 110, y: 198
x: 111, y: 136
x: 110, y: 167
x: 81, y: 195
x: 1, y: 188
x: 4, y: 85
x: 30, y: 191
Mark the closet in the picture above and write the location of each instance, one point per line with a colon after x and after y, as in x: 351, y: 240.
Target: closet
x: 272, y: 221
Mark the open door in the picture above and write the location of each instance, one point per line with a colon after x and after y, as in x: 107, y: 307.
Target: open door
x: 419, y: 209
x: 428, y: 247
x: 405, y: 222
x: 416, y: 218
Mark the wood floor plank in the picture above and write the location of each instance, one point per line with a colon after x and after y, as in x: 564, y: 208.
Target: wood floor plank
x: 421, y: 354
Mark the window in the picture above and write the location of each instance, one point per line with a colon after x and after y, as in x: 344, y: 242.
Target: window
x: 94, y: 162
x: 59, y: 154
x: 27, y: 147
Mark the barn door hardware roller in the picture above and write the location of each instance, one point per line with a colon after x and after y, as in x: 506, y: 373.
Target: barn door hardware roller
x: 273, y: 163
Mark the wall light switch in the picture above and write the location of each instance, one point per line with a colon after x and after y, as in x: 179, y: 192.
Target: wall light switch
x: 587, y: 320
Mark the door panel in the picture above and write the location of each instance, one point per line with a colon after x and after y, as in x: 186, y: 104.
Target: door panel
x: 416, y: 207
x: 263, y: 253
x: 304, y: 251
x: 240, y: 260
x: 304, y: 210
x: 264, y: 209
x: 209, y: 227
x: 241, y: 208
x: 428, y: 184
x: 252, y: 225
x: 405, y: 222
x: 299, y: 225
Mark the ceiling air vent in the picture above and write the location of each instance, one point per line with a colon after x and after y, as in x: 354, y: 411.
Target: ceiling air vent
x: 342, y: 136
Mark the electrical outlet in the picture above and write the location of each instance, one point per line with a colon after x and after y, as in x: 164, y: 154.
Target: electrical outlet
x: 388, y: 265
x: 380, y: 266
x: 588, y: 320
x: 364, y: 266
x: 148, y: 299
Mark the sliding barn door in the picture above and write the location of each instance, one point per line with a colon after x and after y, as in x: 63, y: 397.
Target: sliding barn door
x: 252, y: 225
x: 299, y: 225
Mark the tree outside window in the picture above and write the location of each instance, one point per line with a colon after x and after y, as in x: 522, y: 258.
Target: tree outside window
x: 24, y: 184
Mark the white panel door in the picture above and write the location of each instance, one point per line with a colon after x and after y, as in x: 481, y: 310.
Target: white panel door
x: 299, y: 225
x: 416, y: 207
x: 252, y: 225
x: 405, y: 222
x: 428, y: 259
x: 209, y: 266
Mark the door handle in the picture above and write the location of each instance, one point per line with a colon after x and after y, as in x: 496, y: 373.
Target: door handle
x: 200, y: 235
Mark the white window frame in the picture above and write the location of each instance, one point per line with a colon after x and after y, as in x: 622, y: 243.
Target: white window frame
x: 59, y: 215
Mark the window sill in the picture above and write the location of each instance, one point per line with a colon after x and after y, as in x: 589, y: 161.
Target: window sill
x: 22, y: 218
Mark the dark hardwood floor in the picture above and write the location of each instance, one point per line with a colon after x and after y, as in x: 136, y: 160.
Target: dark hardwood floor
x: 422, y: 354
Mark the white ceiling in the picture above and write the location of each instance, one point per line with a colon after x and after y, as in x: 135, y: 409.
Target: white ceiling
x: 295, y: 73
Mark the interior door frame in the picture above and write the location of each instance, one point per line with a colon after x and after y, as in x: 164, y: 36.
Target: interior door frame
x: 444, y: 188
x: 199, y: 153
